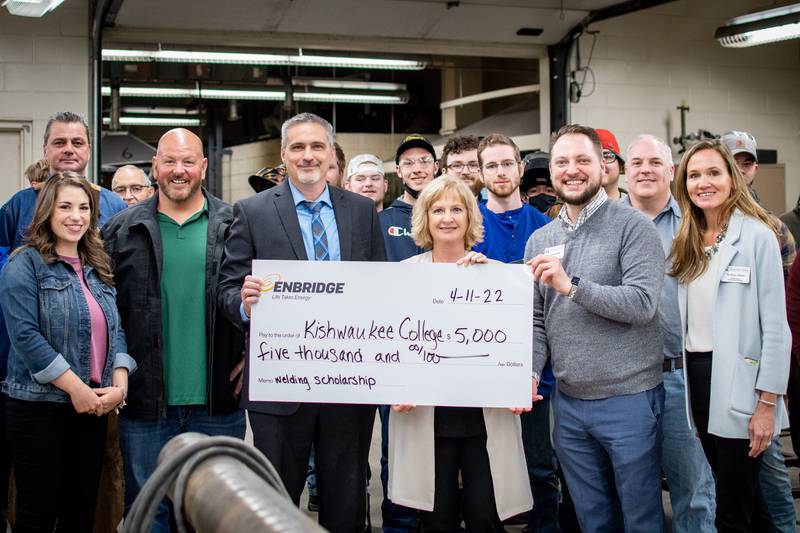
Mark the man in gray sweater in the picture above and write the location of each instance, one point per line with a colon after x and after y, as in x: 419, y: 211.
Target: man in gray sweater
x: 599, y: 269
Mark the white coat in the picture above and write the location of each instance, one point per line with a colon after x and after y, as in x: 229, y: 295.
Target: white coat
x: 411, y: 455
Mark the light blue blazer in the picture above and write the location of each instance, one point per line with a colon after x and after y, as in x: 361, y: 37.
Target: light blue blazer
x: 751, y: 335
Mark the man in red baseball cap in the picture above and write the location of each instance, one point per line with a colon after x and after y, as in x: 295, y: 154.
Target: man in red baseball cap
x: 615, y: 165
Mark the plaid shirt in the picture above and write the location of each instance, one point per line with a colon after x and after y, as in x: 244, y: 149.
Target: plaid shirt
x: 785, y: 239
x: 588, y: 210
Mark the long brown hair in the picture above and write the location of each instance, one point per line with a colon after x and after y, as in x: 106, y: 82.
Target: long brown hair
x: 688, y: 256
x: 40, y: 235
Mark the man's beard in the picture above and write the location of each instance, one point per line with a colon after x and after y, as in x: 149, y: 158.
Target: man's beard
x: 180, y: 198
x: 309, y: 179
x: 503, y: 192
x: 584, y: 197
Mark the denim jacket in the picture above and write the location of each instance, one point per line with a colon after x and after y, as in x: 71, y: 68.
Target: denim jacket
x: 50, y: 328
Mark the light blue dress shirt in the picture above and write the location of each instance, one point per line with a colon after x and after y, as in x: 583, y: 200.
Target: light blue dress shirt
x: 667, y: 223
x: 304, y: 217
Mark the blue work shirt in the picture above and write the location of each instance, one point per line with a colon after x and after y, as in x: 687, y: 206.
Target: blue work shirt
x: 504, y: 238
x: 506, y: 234
x: 667, y: 223
x: 304, y: 217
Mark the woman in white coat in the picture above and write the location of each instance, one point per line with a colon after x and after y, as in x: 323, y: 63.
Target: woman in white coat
x: 736, y: 337
x: 429, y: 446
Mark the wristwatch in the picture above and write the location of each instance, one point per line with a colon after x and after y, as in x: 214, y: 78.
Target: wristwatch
x: 572, y: 290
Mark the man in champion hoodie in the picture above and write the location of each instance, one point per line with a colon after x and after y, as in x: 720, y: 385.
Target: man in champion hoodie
x: 416, y: 166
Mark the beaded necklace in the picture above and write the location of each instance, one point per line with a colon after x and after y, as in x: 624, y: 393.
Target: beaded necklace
x: 719, y: 238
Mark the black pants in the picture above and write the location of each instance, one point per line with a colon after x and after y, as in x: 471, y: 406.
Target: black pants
x: 740, y: 505
x: 341, y: 435
x: 57, y: 455
x: 468, y: 455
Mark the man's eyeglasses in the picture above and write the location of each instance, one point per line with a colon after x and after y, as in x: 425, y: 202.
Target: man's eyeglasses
x: 609, y: 156
x: 492, y: 168
x: 472, y: 166
x: 408, y: 164
x: 135, y: 189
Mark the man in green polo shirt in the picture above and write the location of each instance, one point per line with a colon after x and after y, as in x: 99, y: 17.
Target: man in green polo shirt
x: 166, y: 252
x: 183, y: 286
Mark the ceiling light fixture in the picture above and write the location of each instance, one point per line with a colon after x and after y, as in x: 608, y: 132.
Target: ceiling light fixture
x: 244, y: 94
x: 358, y: 85
x: 31, y: 8
x: 155, y: 121
x: 210, y: 94
x: 344, y: 98
x: 772, y: 25
x: 159, y: 111
x: 241, y: 58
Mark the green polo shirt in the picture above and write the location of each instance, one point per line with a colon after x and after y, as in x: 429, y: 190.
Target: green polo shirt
x: 183, y: 307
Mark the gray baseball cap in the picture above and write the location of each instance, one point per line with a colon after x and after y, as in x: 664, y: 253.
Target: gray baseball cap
x: 740, y: 142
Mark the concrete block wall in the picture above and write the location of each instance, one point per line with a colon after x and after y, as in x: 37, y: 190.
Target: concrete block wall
x: 248, y: 158
x: 648, y: 63
x: 44, y: 66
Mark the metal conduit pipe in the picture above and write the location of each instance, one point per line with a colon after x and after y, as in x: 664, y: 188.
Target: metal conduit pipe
x: 223, y: 495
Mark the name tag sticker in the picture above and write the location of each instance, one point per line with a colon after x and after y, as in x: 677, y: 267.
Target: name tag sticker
x: 555, y: 251
x: 736, y: 274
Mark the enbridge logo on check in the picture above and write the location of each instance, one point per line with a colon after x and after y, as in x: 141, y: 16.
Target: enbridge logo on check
x: 275, y: 283
x: 268, y: 282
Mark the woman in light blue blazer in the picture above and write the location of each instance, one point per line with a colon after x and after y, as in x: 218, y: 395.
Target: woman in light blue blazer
x: 736, y: 337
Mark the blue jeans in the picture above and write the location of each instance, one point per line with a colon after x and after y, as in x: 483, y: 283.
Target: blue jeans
x: 311, y: 480
x: 610, y: 450
x: 690, y: 480
x: 142, y: 440
x: 776, y: 488
x: 541, y: 461
x: 396, y: 518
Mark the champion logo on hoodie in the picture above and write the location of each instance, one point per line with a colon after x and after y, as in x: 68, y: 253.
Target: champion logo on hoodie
x: 398, y: 231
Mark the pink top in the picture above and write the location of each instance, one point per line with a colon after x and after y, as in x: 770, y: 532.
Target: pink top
x: 99, y: 325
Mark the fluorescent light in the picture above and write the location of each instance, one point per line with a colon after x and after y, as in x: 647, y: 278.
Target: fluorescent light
x: 357, y: 85
x: 244, y: 94
x: 345, y: 98
x: 159, y: 111
x: 155, y: 121
x: 210, y: 94
x: 241, y: 58
x: 762, y: 27
x: 31, y: 8
x: 237, y: 94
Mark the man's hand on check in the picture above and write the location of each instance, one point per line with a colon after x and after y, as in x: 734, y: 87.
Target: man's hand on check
x: 251, y: 291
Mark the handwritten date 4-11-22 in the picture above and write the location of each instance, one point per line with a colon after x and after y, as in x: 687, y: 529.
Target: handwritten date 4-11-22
x: 485, y: 296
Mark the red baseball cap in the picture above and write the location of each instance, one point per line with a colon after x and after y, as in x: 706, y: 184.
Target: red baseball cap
x: 609, y: 142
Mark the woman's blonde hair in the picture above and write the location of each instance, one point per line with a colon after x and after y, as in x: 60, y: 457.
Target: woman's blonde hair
x: 432, y: 192
x: 688, y: 256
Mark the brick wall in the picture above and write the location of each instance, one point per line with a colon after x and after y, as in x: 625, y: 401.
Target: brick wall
x: 648, y: 63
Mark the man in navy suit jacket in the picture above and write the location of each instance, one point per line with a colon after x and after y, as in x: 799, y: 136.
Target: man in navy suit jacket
x: 277, y: 224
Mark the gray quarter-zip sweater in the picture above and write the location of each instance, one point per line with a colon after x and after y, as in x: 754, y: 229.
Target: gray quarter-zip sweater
x: 606, y: 341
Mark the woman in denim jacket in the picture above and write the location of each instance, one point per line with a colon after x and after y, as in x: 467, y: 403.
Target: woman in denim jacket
x: 67, y: 367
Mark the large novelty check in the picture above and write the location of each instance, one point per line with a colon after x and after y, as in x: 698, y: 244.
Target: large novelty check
x: 388, y: 333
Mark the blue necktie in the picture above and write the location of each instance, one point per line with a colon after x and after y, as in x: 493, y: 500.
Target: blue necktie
x: 318, y: 230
